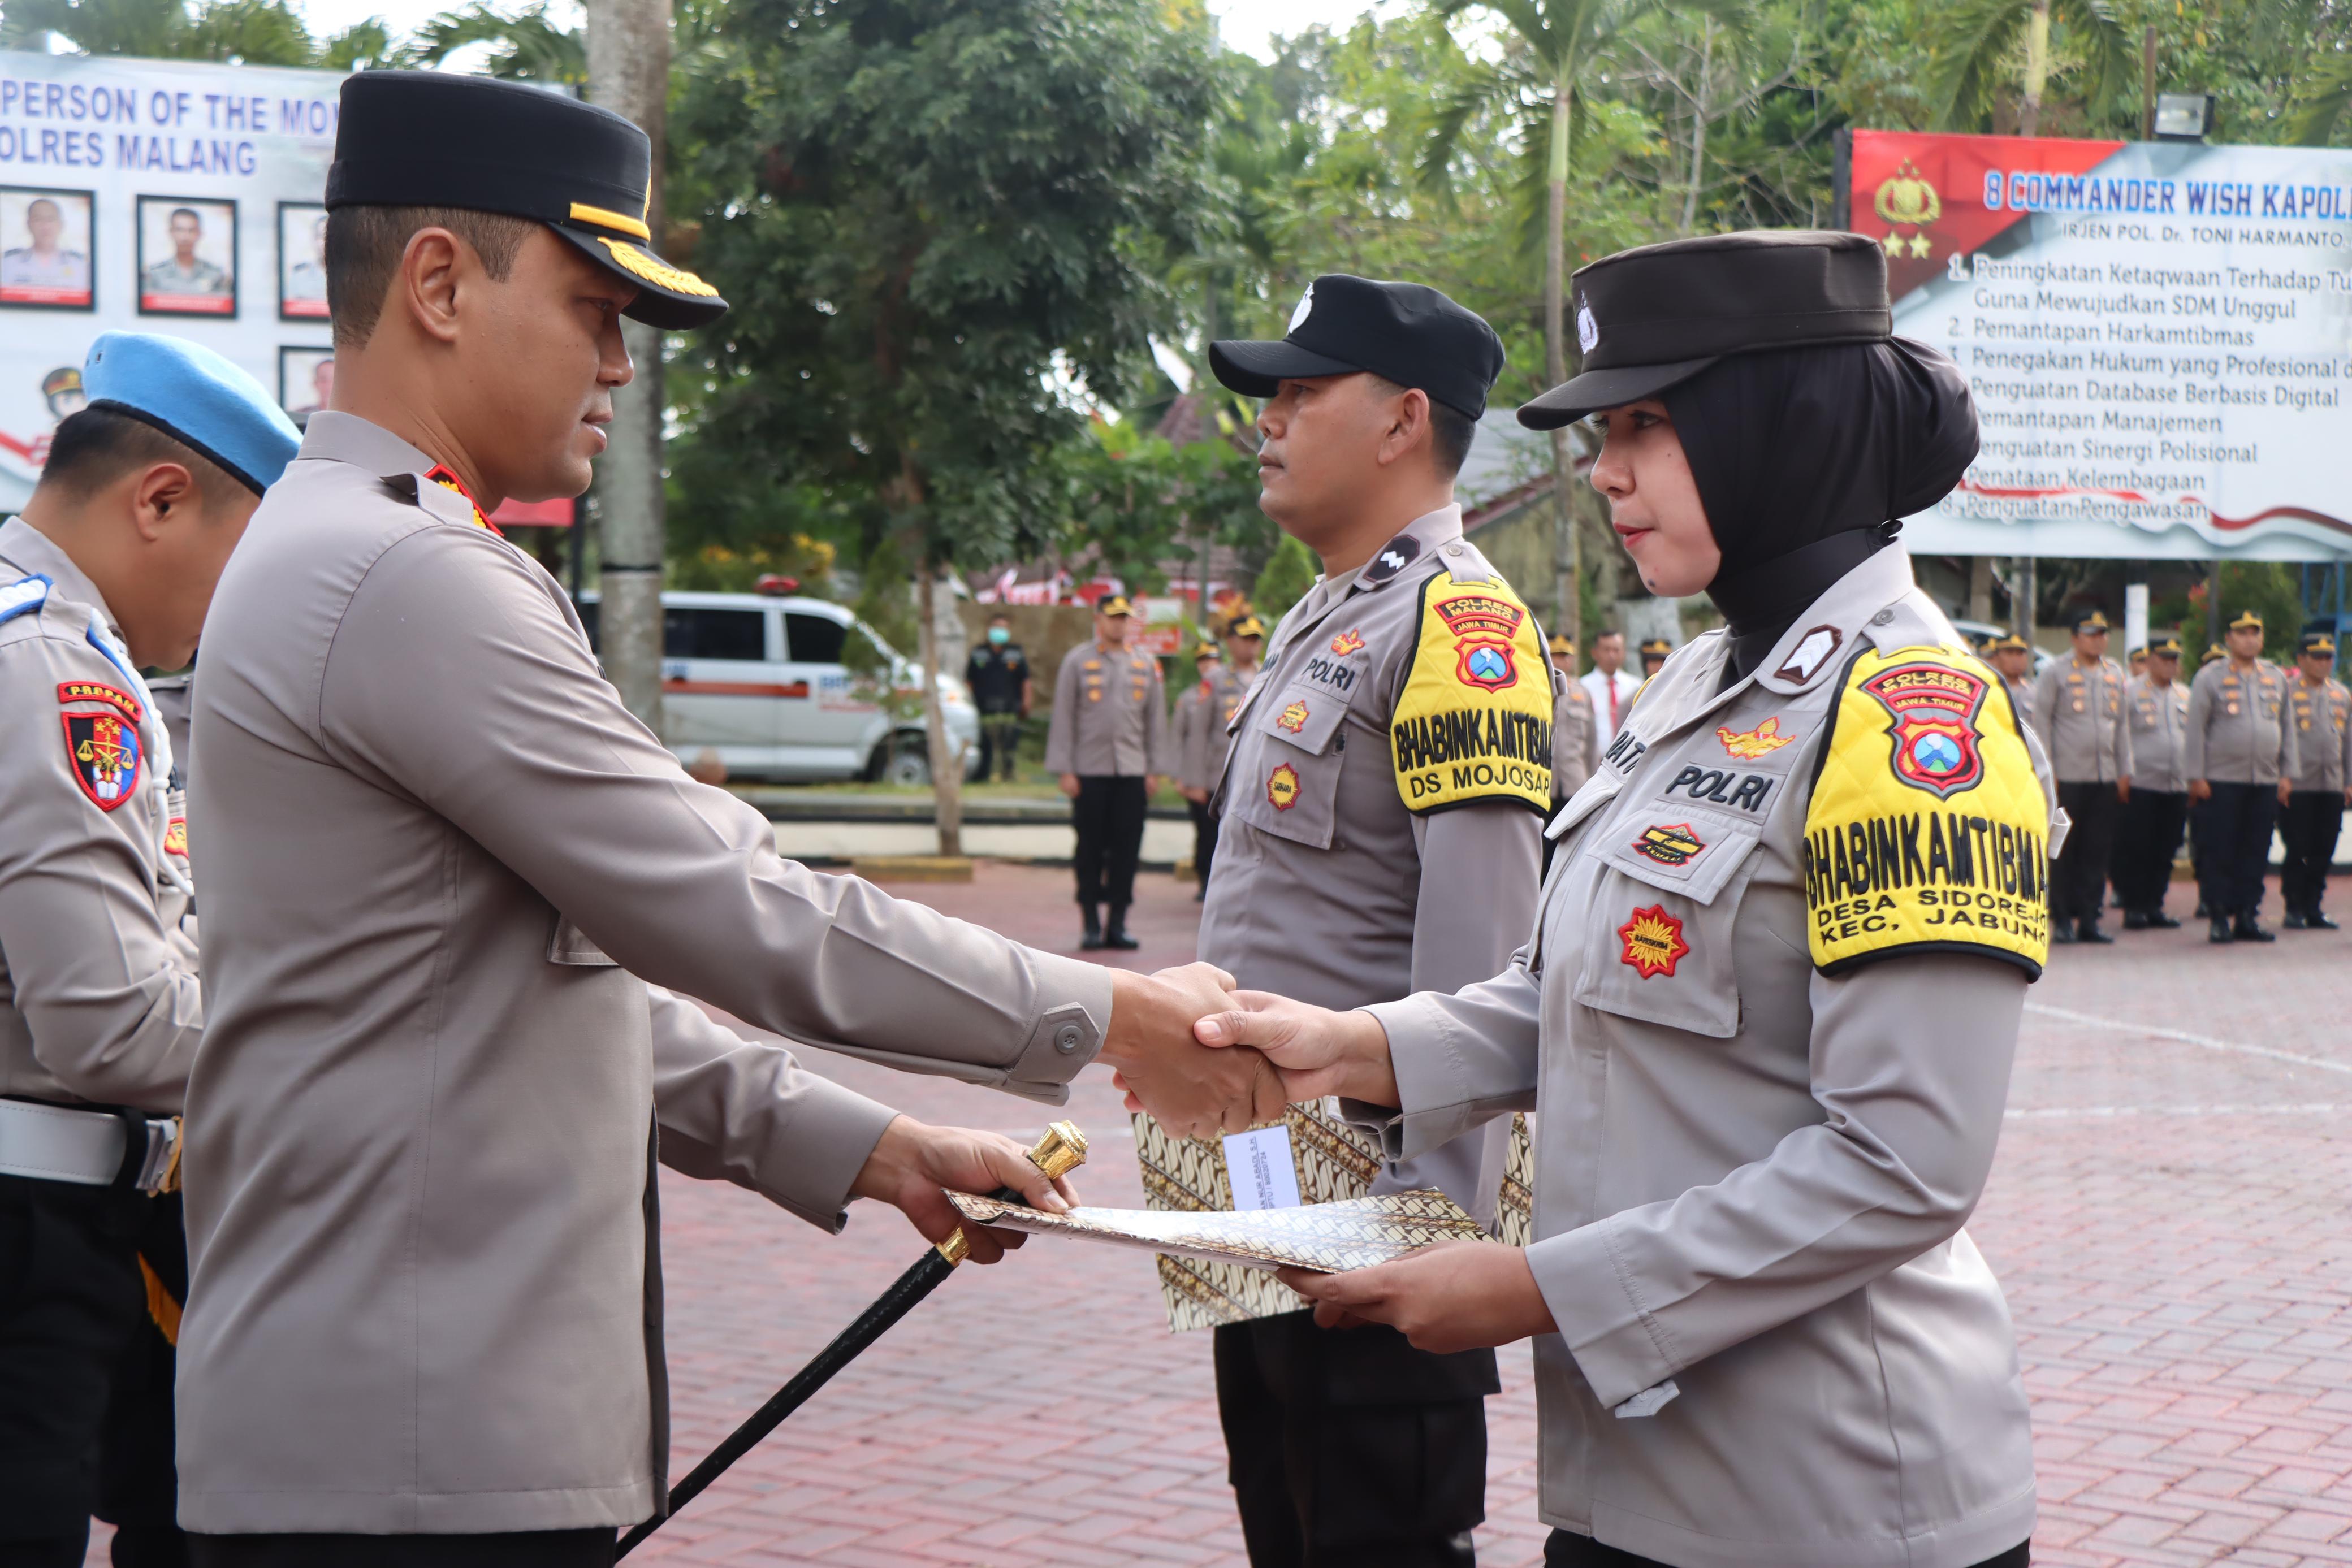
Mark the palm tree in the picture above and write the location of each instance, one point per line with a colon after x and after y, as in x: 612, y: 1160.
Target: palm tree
x: 1973, y: 40
x: 530, y: 48
x: 1542, y: 83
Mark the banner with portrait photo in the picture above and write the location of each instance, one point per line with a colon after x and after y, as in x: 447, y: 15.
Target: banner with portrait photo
x: 301, y: 261
x: 153, y: 196
x: 305, y: 378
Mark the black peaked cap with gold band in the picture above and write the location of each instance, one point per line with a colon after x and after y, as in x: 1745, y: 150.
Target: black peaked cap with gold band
x: 430, y: 138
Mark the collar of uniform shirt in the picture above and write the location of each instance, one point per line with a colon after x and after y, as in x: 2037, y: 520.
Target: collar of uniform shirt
x: 26, y: 551
x: 1431, y: 530
x: 335, y: 437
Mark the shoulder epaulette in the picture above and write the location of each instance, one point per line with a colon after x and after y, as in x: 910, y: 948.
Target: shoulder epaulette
x: 1927, y: 830
x: 24, y: 597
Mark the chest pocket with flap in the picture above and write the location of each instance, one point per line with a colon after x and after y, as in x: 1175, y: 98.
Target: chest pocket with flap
x: 570, y: 945
x: 1284, y: 777
x: 1662, y: 880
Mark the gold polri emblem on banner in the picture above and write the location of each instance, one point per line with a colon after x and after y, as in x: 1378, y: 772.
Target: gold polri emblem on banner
x: 1908, y: 201
x: 1927, y: 829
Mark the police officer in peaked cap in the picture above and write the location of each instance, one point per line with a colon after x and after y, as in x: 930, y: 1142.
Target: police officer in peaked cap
x: 1380, y: 803
x: 107, y: 569
x: 456, y: 897
x: 1769, y: 1004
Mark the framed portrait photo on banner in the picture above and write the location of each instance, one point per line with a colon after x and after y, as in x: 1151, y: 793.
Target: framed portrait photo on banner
x: 305, y: 377
x: 187, y: 256
x: 301, y: 261
x: 47, y: 252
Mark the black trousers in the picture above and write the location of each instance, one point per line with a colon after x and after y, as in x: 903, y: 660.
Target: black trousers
x: 2313, y: 819
x: 522, y: 1549
x: 2078, y: 884
x: 1565, y: 1550
x: 85, y: 1375
x: 999, y: 743
x: 1204, y: 840
x: 1347, y: 1447
x: 2234, y: 828
x: 1109, y: 814
x: 2147, y: 839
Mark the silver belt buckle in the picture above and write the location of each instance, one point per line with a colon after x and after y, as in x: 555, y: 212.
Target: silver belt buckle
x: 158, y: 1169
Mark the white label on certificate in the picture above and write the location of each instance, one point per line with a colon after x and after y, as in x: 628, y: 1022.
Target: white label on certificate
x: 1260, y: 1165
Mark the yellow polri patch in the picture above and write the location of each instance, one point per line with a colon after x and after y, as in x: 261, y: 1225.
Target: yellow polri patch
x: 1927, y: 830
x: 1474, y: 722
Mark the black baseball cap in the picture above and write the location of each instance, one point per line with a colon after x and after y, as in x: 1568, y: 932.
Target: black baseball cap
x: 1408, y: 333
x: 431, y: 139
x: 1653, y: 317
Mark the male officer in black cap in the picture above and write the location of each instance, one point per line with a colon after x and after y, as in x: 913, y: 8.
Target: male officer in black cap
x: 2313, y: 814
x: 450, y: 884
x: 1381, y: 803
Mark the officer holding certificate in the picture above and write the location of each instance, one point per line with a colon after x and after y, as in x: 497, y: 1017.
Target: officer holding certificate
x: 1768, y: 1006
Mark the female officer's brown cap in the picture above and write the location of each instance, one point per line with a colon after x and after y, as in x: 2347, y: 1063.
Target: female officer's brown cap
x: 1653, y: 317
x: 430, y: 138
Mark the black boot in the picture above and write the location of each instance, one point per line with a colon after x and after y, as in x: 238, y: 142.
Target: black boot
x: 2135, y: 920
x: 2313, y: 920
x: 1093, y: 939
x: 2293, y: 921
x: 1115, y: 934
x: 2219, y: 930
x: 2062, y: 933
x: 2248, y: 929
x: 2090, y: 932
x: 2158, y: 920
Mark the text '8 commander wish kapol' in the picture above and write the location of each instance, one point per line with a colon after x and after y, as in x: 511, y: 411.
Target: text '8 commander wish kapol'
x: 453, y: 891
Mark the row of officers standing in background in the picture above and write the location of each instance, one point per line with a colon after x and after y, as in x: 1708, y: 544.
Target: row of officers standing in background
x: 2244, y: 750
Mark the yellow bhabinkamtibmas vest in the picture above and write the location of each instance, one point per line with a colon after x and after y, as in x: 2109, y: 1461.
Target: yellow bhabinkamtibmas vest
x: 1474, y: 720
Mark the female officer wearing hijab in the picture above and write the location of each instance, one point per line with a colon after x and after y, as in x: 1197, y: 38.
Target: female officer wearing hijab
x: 1770, y: 1001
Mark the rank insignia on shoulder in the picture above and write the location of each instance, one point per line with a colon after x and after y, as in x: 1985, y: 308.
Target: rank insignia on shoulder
x: 70, y: 692
x: 1347, y: 643
x: 1292, y: 718
x: 1928, y: 828
x: 102, y: 749
x: 1282, y: 787
x: 1395, y: 556
x: 1749, y: 744
x: 1812, y: 652
x: 1654, y: 941
x: 441, y: 475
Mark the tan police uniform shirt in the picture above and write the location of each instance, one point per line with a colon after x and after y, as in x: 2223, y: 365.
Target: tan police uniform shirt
x: 448, y: 878
x: 2238, y: 730
x: 1756, y: 1146
x: 2159, y: 723
x: 1111, y: 714
x: 1329, y: 886
x: 1197, y: 731
x: 98, y: 999
x: 2079, y: 711
x: 2021, y: 697
x: 2323, y: 732
x: 1575, y: 738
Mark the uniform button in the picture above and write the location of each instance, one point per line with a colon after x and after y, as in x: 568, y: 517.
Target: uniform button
x: 1068, y: 1038
x: 1883, y: 618
x: 1453, y: 549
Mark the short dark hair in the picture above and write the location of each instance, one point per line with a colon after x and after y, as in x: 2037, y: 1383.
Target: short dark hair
x: 188, y: 213
x: 1451, y: 431
x: 364, y: 246
x: 93, y: 446
x: 1000, y: 615
x: 1608, y: 631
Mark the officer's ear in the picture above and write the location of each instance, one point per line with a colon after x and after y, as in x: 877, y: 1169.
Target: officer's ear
x: 163, y: 495
x: 425, y: 285
x: 1408, y: 425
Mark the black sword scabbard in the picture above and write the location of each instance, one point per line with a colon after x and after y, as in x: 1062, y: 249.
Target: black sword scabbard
x: 1060, y: 1151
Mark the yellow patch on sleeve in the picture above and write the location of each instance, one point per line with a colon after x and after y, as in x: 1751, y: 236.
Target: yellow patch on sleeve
x: 1927, y: 830
x: 1474, y: 722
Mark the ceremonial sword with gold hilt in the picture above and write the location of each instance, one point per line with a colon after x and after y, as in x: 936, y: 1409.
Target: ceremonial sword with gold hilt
x: 1062, y: 1150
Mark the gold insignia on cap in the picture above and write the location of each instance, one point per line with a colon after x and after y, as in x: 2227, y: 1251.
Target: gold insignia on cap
x: 653, y: 269
x: 605, y: 217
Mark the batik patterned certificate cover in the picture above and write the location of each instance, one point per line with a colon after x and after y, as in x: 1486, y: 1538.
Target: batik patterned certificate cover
x: 1336, y: 1163
x: 1328, y: 1237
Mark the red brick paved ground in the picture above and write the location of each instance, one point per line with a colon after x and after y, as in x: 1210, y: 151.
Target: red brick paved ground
x: 2168, y: 1214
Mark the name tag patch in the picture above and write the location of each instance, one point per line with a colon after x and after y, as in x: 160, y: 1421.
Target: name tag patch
x: 1725, y: 787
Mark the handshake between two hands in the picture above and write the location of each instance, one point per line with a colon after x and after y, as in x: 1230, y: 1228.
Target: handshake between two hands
x: 1203, y: 1058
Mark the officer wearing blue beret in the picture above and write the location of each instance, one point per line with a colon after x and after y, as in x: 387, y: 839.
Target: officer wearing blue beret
x: 109, y: 570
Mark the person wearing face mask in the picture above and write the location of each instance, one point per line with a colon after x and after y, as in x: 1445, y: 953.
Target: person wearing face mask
x: 1769, y: 1004
x: 998, y: 675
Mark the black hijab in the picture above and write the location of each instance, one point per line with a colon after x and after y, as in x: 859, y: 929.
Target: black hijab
x: 1806, y: 459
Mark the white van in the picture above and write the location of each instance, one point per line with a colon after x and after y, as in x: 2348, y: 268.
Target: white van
x: 759, y: 680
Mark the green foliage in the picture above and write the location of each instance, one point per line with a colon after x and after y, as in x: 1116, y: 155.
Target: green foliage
x: 1288, y: 576
x: 1134, y: 501
x: 2267, y: 588
x: 937, y: 219
x: 529, y: 47
x: 241, y: 32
